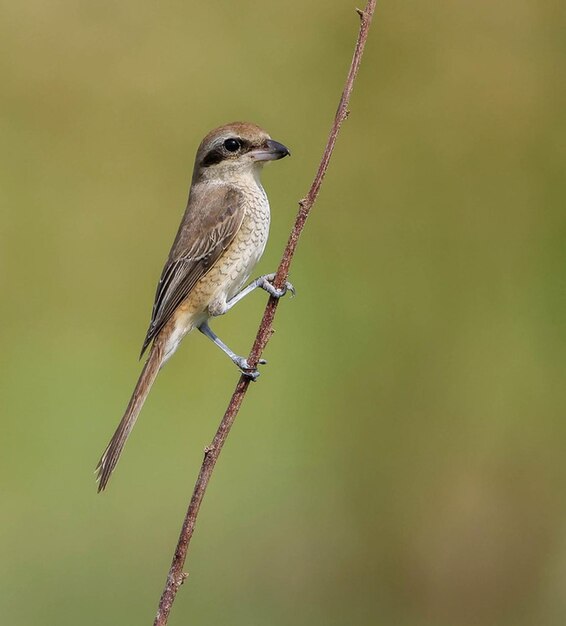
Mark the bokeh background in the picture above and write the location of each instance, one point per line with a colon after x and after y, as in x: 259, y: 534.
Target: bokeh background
x: 402, y: 460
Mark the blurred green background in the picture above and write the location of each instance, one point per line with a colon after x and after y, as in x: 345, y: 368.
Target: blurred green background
x: 402, y: 459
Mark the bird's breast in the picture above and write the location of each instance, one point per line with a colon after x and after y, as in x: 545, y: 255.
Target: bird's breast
x: 246, y: 249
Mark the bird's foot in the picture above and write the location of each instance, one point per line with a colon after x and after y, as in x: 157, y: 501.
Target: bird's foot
x: 247, y: 370
x: 265, y: 283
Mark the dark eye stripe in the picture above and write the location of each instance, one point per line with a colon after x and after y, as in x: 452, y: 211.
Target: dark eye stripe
x: 213, y: 157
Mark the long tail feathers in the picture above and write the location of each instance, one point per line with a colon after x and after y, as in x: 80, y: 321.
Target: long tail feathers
x: 110, y: 457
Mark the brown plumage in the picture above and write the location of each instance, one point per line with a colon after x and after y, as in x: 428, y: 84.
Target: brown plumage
x: 202, y: 238
x: 221, y: 237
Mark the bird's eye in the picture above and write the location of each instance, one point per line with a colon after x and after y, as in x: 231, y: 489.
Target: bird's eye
x: 232, y: 145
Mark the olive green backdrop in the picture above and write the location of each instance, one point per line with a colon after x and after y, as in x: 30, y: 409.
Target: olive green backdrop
x: 402, y: 460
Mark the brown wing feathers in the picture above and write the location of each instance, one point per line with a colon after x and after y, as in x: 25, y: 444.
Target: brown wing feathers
x: 206, y: 230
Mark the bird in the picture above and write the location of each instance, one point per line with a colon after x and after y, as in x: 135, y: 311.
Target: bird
x: 221, y: 238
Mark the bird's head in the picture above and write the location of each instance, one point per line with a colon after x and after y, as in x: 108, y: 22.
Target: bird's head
x: 235, y: 150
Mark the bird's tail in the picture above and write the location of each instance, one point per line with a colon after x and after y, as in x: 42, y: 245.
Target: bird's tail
x: 110, y: 457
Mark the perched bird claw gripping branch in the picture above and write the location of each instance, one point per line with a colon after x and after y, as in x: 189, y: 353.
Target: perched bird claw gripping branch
x: 266, y: 283
x: 220, y: 240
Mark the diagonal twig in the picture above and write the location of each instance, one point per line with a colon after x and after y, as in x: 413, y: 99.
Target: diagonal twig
x: 176, y: 575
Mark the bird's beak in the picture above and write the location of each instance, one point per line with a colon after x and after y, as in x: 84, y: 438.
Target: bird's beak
x: 270, y: 151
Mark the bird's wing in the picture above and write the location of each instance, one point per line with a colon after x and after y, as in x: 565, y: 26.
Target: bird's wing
x: 212, y: 219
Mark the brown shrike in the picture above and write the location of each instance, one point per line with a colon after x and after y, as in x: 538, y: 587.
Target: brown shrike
x: 221, y: 238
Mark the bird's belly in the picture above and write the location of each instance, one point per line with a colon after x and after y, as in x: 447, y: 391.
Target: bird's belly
x: 239, y: 270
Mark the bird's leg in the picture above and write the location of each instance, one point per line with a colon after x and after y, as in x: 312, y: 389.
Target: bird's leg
x: 263, y: 282
x: 240, y: 362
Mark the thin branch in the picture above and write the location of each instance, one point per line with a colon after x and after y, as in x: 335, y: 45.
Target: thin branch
x: 176, y: 576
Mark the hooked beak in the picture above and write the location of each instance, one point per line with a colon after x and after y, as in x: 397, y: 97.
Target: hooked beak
x: 271, y: 151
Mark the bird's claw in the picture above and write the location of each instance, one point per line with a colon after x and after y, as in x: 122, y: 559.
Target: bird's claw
x: 253, y: 375
x: 274, y: 291
x: 247, y: 370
